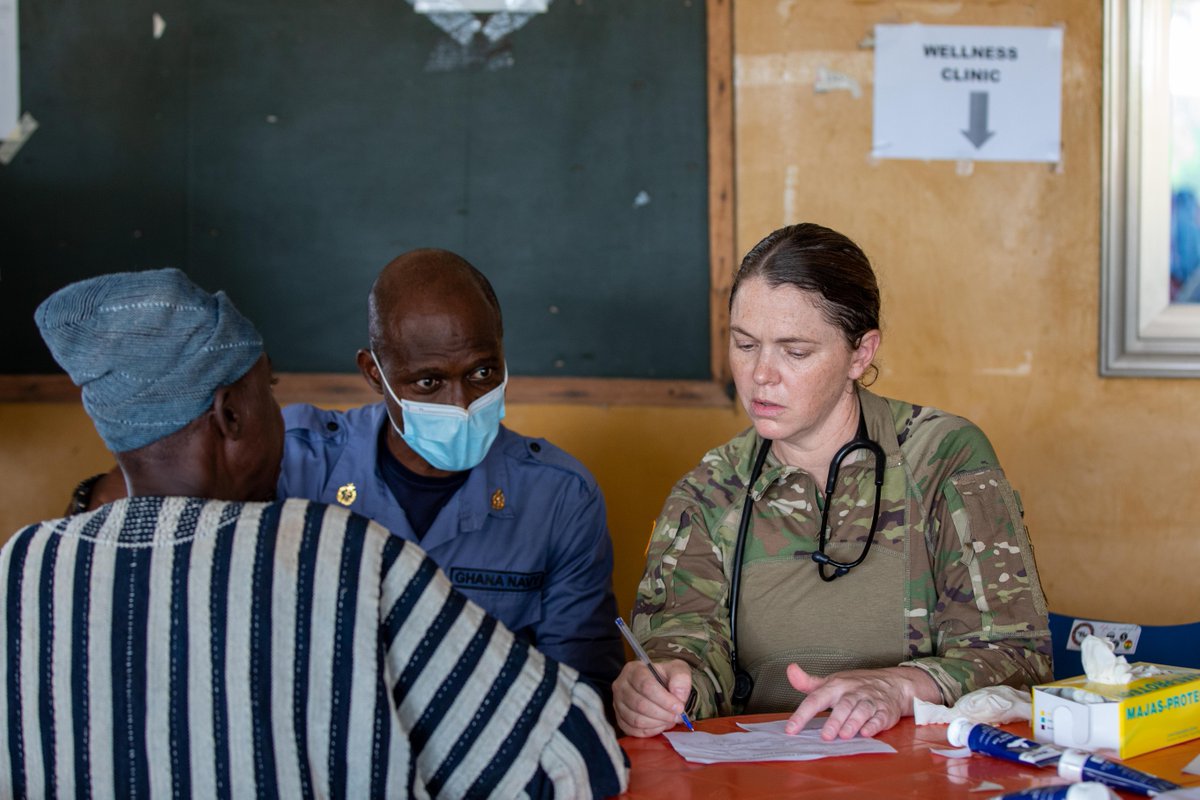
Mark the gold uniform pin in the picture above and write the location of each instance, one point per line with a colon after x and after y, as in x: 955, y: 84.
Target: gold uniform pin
x: 347, y: 494
x: 498, y: 500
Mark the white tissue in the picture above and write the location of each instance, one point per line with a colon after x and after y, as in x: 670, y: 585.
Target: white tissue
x: 1101, y: 665
x: 992, y: 704
x: 1075, y: 695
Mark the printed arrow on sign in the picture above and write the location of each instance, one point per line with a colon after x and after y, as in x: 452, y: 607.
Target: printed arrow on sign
x: 480, y: 39
x: 978, y: 133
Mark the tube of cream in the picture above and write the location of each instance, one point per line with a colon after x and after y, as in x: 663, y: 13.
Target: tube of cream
x: 1076, y: 765
x: 981, y: 738
x: 1070, y: 791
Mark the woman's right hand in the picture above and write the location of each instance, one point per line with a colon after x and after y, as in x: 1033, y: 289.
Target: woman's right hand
x: 644, y: 708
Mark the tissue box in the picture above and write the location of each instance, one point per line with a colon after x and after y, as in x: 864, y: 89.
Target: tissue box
x: 1143, y: 715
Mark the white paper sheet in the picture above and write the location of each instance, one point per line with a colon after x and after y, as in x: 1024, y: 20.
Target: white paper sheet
x: 956, y: 752
x: 766, y: 741
x: 988, y: 786
x: 1193, y: 767
x: 10, y: 69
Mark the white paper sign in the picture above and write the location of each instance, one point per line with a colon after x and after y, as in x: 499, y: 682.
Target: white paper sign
x: 10, y: 70
x: 481, y: 6
x: 968, y: 93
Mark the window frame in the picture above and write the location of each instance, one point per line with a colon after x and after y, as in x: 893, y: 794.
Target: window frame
x: 1142, y: 334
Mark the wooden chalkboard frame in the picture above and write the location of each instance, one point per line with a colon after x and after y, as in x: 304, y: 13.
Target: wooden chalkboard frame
x: 334, y: 389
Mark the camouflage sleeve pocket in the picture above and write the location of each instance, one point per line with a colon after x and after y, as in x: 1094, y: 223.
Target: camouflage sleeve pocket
x: 994, y: 549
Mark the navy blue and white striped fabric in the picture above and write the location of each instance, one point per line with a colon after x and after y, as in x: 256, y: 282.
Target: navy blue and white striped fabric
x: 175, y: 647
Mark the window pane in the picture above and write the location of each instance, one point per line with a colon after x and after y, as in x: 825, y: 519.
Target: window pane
x: 1185, y: 151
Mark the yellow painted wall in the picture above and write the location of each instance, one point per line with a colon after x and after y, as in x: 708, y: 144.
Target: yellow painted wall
x: 990, y: 277
x: 991, y: 286
x: 636, y: 454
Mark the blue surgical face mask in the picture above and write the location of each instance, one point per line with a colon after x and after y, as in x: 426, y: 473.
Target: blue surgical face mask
x: 449, y: 437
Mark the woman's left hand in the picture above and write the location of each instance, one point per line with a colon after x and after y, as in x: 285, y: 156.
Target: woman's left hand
x: 866, y: 701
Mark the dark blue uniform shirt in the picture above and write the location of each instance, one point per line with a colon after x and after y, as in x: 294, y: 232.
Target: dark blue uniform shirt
x: 525, y: 536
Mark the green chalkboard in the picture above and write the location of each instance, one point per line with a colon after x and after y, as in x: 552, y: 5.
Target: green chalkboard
x: 285, y: 151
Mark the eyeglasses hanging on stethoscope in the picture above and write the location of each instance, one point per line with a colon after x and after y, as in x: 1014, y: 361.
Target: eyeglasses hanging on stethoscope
x: 743, y: 683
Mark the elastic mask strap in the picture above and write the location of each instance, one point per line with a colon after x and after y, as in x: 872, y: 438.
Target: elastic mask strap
x: 383, y: 379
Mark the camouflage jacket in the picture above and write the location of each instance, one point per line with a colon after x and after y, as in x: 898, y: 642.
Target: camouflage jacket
x: 972, y: 613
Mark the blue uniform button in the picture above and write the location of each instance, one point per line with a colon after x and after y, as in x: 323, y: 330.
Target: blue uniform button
x: 535, y: 447
x: 331, y: 426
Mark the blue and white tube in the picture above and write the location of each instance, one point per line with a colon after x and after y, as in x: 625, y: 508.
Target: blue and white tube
x: 997, y: 743
x: 1070, y: 791
x: 1076, y: 765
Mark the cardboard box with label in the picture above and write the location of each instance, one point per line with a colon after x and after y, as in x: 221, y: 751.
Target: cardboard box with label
x: 1142, y: 715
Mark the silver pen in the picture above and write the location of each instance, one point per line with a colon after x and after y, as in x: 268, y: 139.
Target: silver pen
x: 645, y: 659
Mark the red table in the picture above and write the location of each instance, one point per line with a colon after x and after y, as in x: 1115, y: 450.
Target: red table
x: 912, y: 771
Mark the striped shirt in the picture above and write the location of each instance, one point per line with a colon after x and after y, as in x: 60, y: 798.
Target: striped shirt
x: 175, y: 646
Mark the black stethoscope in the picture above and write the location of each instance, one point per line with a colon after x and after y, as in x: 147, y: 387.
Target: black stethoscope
x: 743, y: 684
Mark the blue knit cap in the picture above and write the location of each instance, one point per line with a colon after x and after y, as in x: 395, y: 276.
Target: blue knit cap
x: 148, y: 350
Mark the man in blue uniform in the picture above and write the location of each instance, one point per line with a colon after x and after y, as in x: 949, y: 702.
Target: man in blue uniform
x: 516, y: 523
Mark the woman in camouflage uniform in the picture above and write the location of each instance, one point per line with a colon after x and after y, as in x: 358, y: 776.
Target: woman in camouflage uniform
x: 947, y: 598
